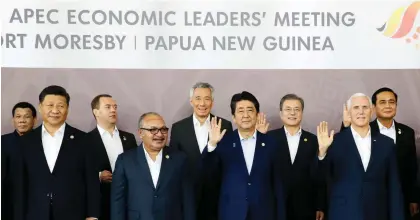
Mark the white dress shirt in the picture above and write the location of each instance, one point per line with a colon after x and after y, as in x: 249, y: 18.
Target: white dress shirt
x: 201, y: 132
x: 293, y: 142
x: 248, y: 149
x: 113, y: 144
x: 154, y: 166
x: 390, y: 132
x: 363, y: 146
x: 52, y: 144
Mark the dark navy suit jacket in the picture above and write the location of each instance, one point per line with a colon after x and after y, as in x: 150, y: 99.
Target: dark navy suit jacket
x: 258, y: 195
x: 134, y: 196
x: 374, y: 194
x: 72, y: 186
x: 9, y: 149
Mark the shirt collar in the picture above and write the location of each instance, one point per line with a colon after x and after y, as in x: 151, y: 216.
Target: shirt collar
x: 357, y: 135
x: 254, y: 136
x: 297, y: 133
x: 60, y: 131
x: 197, y: 122
x: 158, y: 157
x: 103, y: 131
x: 382, y: 127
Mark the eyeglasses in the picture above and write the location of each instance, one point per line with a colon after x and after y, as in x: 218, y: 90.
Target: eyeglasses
x: 163, y: 130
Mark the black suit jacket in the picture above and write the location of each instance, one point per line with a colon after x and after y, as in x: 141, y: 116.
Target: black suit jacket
x: 183, y: 138
x: 100, y: 156
x: 134, y: 196
x: 9, y: 145
x: 72, y: 187
x: 305, y: 194
x: 406, y: 159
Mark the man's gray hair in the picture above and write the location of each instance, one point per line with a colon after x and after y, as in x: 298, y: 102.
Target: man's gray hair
x: 358, y: 95
x: 141, y: 119
x: 203, y: 85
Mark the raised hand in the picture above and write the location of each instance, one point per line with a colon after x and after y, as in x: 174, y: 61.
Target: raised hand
x: 262, y: 124
x: 324, y: 140
x: 214, y: 133
x: 346, y: 116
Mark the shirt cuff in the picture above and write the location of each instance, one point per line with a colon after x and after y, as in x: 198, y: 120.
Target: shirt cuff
x: 210, y: 148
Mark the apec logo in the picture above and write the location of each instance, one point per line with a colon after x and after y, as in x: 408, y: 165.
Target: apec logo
x: 402, y: 25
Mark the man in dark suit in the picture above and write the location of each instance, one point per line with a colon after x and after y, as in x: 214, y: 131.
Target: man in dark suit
x: 298, y: 148
x: 106, y: 142
x: 150, y: 181
x: 24, y: 119
x: 55, y: 178
x: 190, y: 135
x: 385, y: 106
x: 246, y: 163
x: 362, y: 168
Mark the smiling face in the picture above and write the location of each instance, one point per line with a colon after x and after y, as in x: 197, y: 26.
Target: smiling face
x: 202, y: 102
x: 54, y: 110
x: 245, y: 116
x: 360, y: 111
x: 154, y: 132
x: 291, y: 114
x: 386, y: 105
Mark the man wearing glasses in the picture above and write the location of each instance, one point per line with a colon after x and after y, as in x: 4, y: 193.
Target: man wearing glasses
x: 151, y: 181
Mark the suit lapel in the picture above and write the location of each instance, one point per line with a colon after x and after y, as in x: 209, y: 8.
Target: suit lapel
x: 302, y: 147
x: 284, y: 146
x: 354, y: 150
x: 399, y: 133
x: 124, y: 140
x: 165, y: 169
x: 39, y: 149
x: 259, y: 148
x: 192, y: 136
x: 100, y: 146
x: 238, y: 152
x: 373, y: 153
x: 68, y: 137
x: 144, y: 166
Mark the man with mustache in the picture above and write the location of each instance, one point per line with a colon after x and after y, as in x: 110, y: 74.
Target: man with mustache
x: 244, y: 164
x: 55, y: 179
x: 361, y: 168
x: 151, y: 181
x: 305, y: 195
x: 190, y: 135
x: 24, y: 119
x: 106, y: 142
x: 385, y: 105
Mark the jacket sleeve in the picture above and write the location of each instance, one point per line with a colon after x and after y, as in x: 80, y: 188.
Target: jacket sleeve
x: 395, y: 198
x: 92, y: 185
x: 118, y: 191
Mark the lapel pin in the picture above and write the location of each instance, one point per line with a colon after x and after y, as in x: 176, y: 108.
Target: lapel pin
x: 71, y: 137
x: 234, y: 144
x: 263, y: 144
x: 167, y: 156
x: 124, y: 138
x: 305, y: 140
x: 374, y: 140
x: 399, y: 131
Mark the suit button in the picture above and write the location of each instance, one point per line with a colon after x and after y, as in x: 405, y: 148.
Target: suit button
x: 246, y: 198
x: 249, y: 184
x: 155, y: 196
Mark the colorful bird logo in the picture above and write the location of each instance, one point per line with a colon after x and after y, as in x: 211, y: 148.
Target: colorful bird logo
x: 401, y: 24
